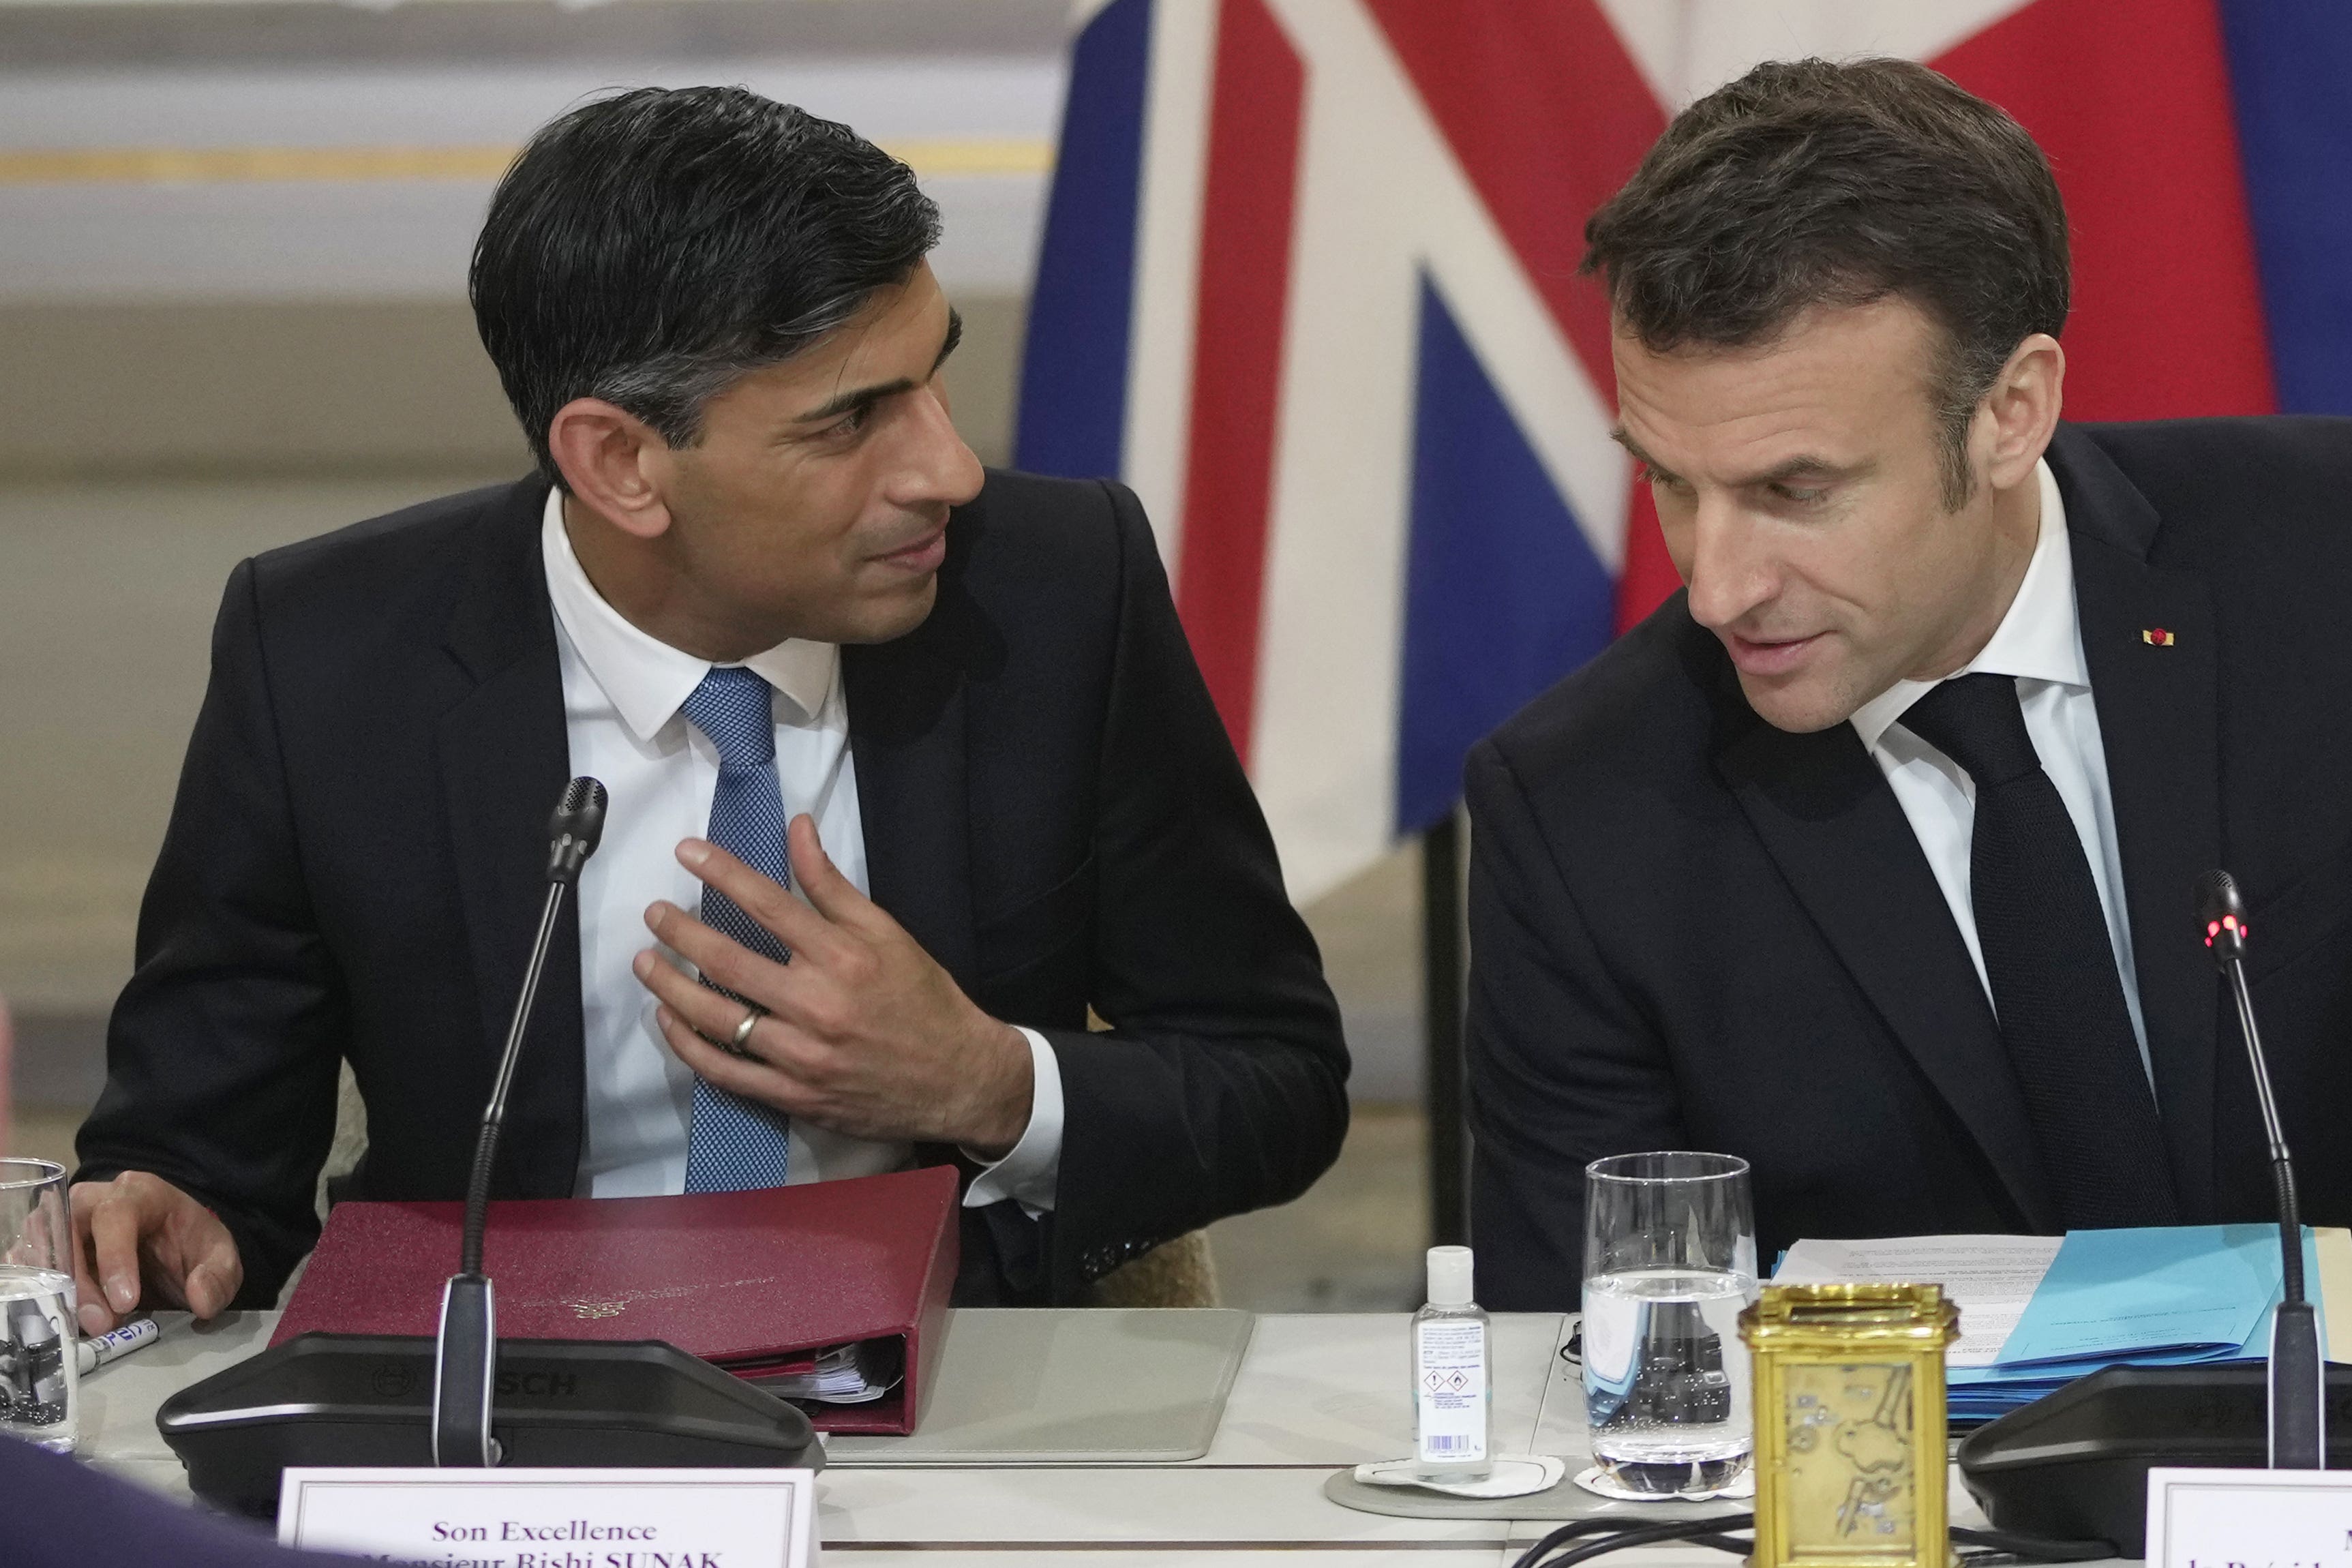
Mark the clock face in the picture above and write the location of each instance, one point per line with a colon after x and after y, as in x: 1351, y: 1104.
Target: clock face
x: 1850, y: 1470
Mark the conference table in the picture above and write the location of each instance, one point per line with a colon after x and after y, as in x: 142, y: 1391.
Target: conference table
x: 1313, y: 1393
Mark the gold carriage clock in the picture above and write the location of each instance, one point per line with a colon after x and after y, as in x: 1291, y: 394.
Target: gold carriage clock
x: 1849, y: 1466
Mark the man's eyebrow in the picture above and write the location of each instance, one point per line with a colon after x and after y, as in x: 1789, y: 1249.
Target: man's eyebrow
x: 1618, y: 434
x: 1804, y: 466
x: 948, y: 345
x: 866, y: 396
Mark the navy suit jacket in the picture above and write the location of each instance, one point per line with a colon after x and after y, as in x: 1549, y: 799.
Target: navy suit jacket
x: 356, y: 860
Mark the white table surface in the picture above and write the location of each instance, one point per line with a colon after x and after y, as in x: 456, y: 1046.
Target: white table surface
x: 1315, y: 1393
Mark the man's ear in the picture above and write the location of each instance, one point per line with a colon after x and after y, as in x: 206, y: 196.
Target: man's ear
x: 2023, y: 409
x: 609, y: 458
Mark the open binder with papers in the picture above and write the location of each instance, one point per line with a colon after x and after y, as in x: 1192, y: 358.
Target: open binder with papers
x: 2038, y: 1312
x: 831, y: 1293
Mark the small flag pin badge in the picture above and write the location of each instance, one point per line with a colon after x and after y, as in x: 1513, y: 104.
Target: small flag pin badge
x: 2156, y: 636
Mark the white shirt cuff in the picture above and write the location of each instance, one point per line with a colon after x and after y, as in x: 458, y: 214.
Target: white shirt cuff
x: 1032, y: 1170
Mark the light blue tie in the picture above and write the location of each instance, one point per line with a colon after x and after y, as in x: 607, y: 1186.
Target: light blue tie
x: 736, y: 1144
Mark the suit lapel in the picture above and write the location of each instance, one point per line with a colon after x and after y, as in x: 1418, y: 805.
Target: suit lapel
x: 504, y: 754
x: 907, y: 736
x: 2159, y: 725
x: 1829, y: 820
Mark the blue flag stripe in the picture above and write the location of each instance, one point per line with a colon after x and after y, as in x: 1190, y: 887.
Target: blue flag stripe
x: 1503, y: 594
x: 2291, y: 74
x: 1073, y: 413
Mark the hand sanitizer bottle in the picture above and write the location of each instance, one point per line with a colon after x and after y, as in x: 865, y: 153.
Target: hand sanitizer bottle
x: 1452, y: 1402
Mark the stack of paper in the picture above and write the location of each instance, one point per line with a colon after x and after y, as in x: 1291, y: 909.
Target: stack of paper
x: 2037, y: 1312
x: 838, y: 1375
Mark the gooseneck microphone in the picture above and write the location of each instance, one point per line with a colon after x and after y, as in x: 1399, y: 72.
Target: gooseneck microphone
x: 466, y: 1354
x: 352, y: 1399
x: 2298, y: 1405
x: 2074, y: 1465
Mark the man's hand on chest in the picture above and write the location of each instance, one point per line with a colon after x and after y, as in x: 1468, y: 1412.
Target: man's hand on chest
x: 863, y: 1031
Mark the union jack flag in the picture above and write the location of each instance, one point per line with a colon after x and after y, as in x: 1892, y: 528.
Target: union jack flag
x: 1310, y: 284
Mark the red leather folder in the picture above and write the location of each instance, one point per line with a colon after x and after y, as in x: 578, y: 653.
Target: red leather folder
x: 752, y: 1282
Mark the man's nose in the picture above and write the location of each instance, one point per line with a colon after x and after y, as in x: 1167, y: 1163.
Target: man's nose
x: 935, y: 464
x: 1730, y: 573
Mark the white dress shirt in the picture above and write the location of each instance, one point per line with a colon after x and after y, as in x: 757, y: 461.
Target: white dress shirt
x: 2039, y: 641
x: 621, y: 692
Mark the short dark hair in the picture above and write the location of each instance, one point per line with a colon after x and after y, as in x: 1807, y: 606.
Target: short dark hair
x: 651, y: 248
x: 1817, y: 183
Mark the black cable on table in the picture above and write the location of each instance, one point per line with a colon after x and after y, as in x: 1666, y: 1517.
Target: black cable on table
x: 2034, y: 1548
x: 1614, y: 1535
x: 1618, y: 1535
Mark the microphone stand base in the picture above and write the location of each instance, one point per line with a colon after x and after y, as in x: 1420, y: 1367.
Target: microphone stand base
x: 2072, y: 1465
x: 366, y: 1400
x: 2298, y: 1395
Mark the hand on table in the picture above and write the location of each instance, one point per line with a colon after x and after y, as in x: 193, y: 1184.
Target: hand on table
x: 144, y: 1239
x: 867, y: 1035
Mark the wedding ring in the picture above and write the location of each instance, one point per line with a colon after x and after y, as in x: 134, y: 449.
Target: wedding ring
x: 742, y: 1035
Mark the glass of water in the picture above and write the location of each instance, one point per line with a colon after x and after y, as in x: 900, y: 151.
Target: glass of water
x: 1669, y: 1261
x: 39, y: 1369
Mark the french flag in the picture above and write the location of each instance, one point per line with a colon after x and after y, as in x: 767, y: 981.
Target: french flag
x: 1309, y: 284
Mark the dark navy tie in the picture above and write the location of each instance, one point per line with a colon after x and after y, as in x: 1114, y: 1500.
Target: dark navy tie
x: 2051, y: 965
x: 736, y: 1144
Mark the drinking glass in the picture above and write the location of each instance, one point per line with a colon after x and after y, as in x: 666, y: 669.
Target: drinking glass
x: 38, y: 1370
x: 1669, y: 1261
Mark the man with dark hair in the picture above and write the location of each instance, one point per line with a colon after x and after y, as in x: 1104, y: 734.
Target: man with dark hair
x: 1870, y: 857
x: 911, y: 774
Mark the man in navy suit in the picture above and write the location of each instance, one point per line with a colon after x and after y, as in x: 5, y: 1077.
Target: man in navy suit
x: 909, y: 760
x: 1872, y: 857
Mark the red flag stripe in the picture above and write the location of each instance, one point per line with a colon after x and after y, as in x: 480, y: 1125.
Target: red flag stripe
x: 1248, y: 198
x: 1548, y: 115
x: 2136, y: 119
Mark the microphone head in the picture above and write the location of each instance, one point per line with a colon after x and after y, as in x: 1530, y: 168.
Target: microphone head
x: 575, y: 828
x: 2222, y: 913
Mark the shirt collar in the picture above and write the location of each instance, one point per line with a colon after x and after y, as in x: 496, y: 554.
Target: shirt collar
x: 647, y: 679
x: 2039, y: 639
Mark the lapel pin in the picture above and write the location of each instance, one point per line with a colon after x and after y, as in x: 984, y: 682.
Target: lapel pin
x: 2156, y: 636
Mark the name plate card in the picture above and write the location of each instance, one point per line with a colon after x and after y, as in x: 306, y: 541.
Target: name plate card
x: 2248, y: 1519
x: 554, y: 1519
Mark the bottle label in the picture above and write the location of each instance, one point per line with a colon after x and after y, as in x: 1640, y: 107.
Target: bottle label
x: 1450, y: 1390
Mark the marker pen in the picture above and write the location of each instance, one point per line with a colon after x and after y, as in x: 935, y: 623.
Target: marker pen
x: 94, y: 1353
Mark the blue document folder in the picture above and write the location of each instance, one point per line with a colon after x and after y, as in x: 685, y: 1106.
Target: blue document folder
x: 2155, y: 1297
